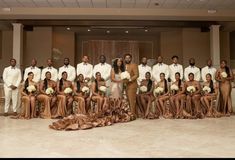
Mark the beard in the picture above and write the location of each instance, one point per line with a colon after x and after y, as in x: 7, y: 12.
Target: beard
x: 192, y: 64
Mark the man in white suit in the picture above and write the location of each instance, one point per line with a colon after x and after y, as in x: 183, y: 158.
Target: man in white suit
x: 50, y: 68
x: 36, y: 71
x: 69, y: 69
x: 208, y: 69
x: 143, y: 68
x: 192, y: 69
x: 174, y: 68
x: 85, y: 68
x: 159, y: 68
x: 11, y: 78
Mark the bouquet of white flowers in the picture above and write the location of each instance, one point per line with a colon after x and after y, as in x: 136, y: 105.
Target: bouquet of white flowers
x: 158, y: 91
x: 174, y: 87
x: 125, y: 75
x: 191, y: 89
x: 85, y: 89
x: 206, y: 89
x: 68, y: 90
x: 224, y: 74
x: 49, y: 90
x: 31, y: 88
x: 143, y: 89
x: 103, y: 89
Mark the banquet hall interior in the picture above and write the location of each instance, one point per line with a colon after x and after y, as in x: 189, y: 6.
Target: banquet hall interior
x: 56, y: 29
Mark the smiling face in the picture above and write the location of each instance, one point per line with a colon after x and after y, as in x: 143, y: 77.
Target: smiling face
x: 48, y: 75
x: 119, y: 62
x: 208, y: 77
x: 80, y: 77
x: 128, y: 59
x: 162, y: 76
x: 147, y: 75
x: 222, y: 64
x: 98, y: 76
x: 64, y: 75
x: 30, y: 76
x: 177, y: 76
x: 13, y: 62
x: 191, y: 77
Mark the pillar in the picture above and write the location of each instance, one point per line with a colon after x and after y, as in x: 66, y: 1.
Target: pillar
x: 215, y: 45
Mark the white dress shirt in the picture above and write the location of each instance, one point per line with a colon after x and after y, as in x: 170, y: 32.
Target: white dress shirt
x: 160, y: 68
x: 143, y: 69
x: 11, y: 76
x: 104, y: 69
x: 86, y: 69
x: 71, y: 72
x: 174, y: 68
x: 36, y: 71
x: 207, y: 70
x: 54, y: 73
x: 192, y: 69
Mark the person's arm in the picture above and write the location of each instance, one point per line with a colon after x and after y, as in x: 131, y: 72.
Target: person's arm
x: 186, y: 74
x: 198, y: 75
x: 203, y: 75
x: 59, y: 73
x: 93, y: 89
x: 89, y: 75
x: 37, y: 75
x: 167, y: 72
x: 217, y: 76
x: 22, y: 91
x: 231, y: 78
x: 19, y: 78
x: 41, y: 87
x: 4, y: 76
x: 106, y: 75
x: 181, y: 72
x: 43, y: 74
x: 55, y: 75
x: 94, y: 70
x: 198, y: 88
x: 113, y: 77
x: 58, y: 89
x: 73, y: 74
x: 136, y: 73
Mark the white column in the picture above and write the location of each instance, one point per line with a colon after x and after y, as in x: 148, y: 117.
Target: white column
x: 215, y: 45
x: 18, y: 43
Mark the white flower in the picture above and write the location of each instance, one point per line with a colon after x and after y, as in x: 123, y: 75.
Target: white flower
x: 31, y: 88
x: 49, y: 90
x: 86, y: 81
x: 224, y: 74
x: 143, y: 89
x: 158, y: 90
x: 206, y: 89
x: 85, y: 89
x: 68, y: 90
x: 174, y: 87
x: 191, y: 89
x: 103, y: 89
x: 125, y: 75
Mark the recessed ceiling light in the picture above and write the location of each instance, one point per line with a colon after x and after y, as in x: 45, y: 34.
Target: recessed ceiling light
x: 146, y: 30
x: 68, y: 28
x: 126, y: 31
x: 107, y: 31
x: 211, y: 11
x: 6, y: 9
x: 88, y: 30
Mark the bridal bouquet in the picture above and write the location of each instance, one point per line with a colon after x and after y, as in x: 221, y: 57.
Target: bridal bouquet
x: 224, y: 74
x: 125, y: 75
x: 49, y: 91
x: 174, y: 88
x: 191, y: 89
x: 68, y: 90
x: 158, y: 91
x: 143, y: 89
x: 206, y: 89
x: 31, y: 88
x: 103, y: 89
x: 85, y: 89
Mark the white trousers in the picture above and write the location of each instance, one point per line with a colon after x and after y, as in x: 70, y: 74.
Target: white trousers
x: 11, y: 94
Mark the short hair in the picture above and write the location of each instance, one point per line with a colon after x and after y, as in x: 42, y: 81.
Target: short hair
x: 128, y: 54
x: 174, y: 57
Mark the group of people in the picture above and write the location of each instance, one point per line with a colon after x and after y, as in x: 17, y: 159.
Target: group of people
x: 163, y: 90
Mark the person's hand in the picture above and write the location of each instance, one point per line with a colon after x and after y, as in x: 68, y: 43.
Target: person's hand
x: 87, y: 78
x: 13, y: 87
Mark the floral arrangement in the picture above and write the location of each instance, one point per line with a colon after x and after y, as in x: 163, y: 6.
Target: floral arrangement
x: 174, y: 87
x: 125, y: 75
x: 191, y: 89
x: 85, y: 89
x: 68, y: 90
x: 158, y: 91
x: 224, y: 74
x: 49, y: 90
x: 143, y: 89
x: 206, y: 89
x: 31, y: 88
x: 103, y: 89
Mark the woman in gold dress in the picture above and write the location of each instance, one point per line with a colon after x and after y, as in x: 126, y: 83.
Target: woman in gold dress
x: 193, y: 91
x: 82, y: 95
x: 145, y: 96
x: 98, y: 96
x: 47, y: 96
x: 64, y: 96
x: 29, y: 93
x: 210, y: 92
x: 224, y: 76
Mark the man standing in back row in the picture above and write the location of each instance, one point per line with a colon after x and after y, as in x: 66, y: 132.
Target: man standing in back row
x: 192, y: 69
x: 131, y: 85
x: 174, y: 68
x: 159, y: 68
x: 51, y: 69
x: 69, y: 69
x: 85, y: 68
x: 33, y: 68
x: 11, y: 77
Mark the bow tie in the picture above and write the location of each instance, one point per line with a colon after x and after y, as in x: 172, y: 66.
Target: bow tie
x: 66, y: 67
x: 160, y: 64
x: 85, y: 64
x: 12, y: 67
x: 175, y: 65
x: 32, y: 67
x: 49, y: 68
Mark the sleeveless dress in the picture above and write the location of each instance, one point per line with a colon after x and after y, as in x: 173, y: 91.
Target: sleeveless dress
x: 117, y: 88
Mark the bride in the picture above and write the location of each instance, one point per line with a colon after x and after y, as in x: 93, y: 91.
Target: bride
x: 117, y: 83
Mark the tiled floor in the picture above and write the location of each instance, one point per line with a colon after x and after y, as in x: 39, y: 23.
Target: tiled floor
x: 140, y: 138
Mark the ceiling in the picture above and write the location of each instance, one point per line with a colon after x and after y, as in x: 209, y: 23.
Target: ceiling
x: 165, y: 4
